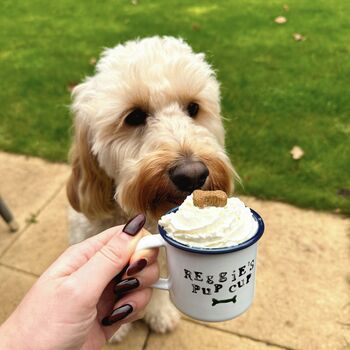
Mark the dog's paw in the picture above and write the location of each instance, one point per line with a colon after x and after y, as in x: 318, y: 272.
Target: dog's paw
x: 121, y: 333
x: 162, y: 319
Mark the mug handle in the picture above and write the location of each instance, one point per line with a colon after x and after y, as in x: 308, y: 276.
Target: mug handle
x: 154, y: 241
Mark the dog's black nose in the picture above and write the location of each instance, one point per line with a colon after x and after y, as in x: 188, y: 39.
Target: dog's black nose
x: 189, y: 175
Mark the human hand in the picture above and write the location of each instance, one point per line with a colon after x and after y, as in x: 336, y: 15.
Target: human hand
x: 65, y: 307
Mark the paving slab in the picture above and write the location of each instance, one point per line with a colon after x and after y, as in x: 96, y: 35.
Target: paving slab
x: 302, y: 296
x: 13, y: 286
x: 43, y: 241
x: 192, y: 336
x: 27, y: 183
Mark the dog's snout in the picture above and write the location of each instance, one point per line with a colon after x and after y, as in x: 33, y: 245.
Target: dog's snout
x: 189, y: 175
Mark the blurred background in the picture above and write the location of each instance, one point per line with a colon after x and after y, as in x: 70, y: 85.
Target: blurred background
x: 284, y: 70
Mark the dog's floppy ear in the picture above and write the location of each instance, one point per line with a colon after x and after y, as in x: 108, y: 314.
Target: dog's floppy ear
x: 89, y: 189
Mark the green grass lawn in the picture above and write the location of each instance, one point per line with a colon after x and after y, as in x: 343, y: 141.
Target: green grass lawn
x: 276, y: 92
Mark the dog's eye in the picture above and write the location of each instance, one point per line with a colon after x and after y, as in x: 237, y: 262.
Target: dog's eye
x: 193, y: 109
x: 136, y: 117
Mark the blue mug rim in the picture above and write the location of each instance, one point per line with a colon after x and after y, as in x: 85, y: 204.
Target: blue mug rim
x: 199, y: 250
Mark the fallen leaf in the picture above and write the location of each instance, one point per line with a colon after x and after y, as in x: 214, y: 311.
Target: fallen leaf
x: 298, y: 37
x: 93, y: 61
x: 285, y: 7
x: 296, y: 152
x: 196, y: 26
x: 344, y: 192
x: 32, y: 219
x: 280, y: 19
x: 337, y: 210
x: 71, y: 86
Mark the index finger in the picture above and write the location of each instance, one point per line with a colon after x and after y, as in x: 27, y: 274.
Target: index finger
x: 78, y: 254
x: 106, y: 263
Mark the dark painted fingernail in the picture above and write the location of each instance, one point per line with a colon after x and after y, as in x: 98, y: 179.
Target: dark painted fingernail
x: 126, y: 285
x: 136, y: 267
x: 117, y: 278
x: 133, y: 226
x: 117, y: 315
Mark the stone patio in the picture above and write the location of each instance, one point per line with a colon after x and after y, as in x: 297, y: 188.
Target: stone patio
x: 302, y: 294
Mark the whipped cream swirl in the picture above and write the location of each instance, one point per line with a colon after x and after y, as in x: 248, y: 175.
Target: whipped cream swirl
x: 210, y: 227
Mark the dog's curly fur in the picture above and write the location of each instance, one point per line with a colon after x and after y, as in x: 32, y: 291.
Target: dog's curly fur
x: 118, y: 169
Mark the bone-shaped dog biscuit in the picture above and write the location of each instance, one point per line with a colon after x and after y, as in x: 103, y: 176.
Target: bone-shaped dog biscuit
x: 203, y: 199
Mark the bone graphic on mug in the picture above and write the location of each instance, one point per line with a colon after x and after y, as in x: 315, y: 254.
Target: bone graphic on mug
x: 216, y: 301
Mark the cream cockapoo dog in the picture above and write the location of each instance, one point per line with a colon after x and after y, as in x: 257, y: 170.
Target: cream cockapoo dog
x: 148, y: 131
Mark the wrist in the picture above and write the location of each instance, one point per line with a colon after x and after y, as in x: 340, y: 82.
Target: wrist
x: 8, y: 340
x: 12, y: 335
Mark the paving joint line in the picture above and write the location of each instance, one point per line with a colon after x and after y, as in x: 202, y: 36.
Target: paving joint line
x: 29, y: 224
x: 242, y: 335
x: 19, y: 270
x: 146, y: 340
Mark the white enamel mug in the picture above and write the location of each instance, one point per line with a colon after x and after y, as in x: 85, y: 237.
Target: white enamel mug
x: 209, y: 284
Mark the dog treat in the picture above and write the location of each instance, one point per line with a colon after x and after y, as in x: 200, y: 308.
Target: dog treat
x: 203, y: 199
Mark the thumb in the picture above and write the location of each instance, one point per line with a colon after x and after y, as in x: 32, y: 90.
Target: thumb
x: 110, y: 259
